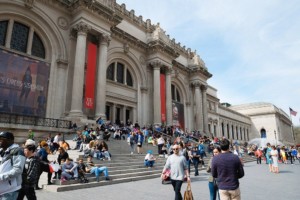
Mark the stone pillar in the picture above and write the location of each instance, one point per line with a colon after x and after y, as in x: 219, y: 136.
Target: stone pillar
x: 168, y: 97
x: 156, y: 93
x: 101, y: 77
x: 144, y: 106
x: 204, y: 106
x: 198, y: 111
x: 123, y: 118
x: 61, y: 74
x: 78, y: 77
x: 9, y: 33
x: 113, y: 114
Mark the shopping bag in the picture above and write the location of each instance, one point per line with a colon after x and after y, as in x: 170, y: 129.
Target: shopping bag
x: 188, y: 195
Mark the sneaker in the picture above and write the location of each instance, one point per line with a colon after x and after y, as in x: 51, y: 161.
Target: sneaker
x: 107, y: 178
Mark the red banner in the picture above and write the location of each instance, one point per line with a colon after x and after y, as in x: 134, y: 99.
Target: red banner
x: 90, y: 76
x: 163, y: 97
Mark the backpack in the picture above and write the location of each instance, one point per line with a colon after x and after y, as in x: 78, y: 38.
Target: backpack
x: 13, y: 152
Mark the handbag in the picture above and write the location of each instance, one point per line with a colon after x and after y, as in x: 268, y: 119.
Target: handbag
x: 188, y: 195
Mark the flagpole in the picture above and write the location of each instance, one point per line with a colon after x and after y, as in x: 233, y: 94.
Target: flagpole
x: 292, y: 127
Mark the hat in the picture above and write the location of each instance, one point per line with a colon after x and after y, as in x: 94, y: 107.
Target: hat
x: 7, y: 135
x: 30, y: 142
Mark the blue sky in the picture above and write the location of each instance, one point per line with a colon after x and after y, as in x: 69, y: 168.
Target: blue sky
x: 252, y: 47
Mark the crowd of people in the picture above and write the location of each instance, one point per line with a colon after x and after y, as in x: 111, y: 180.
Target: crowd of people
x: 182, y: 150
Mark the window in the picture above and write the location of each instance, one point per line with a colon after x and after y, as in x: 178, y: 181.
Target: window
x: 129, y: 79
x: 38, y: 49
x: 263, y: 133
x: 110, y: 72
x: 122, y: 74
x: 20, y: 37
x: 175, y: 93
x: 3, y: 29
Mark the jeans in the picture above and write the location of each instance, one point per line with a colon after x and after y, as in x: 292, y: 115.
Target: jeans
x: 196, y: 163
x: 149, y: 163
x: 213, y: 191
x: 99, y: 170
x: 68, y: 175
x: 10, y: 196
x: 177, y: 187
x: 28, y: 192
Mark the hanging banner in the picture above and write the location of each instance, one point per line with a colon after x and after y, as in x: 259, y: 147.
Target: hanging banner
x: 23, y: 84
x: 163, y: 97
x: 90, y: 76
x: 178, y: 115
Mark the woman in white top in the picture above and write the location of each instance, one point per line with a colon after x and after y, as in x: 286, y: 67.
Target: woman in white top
x: 274, y: 154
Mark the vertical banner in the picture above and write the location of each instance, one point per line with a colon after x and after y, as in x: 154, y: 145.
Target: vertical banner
x: 163, y: 97
x: 90, y: 76
x: 23, y: 84
x: 178, y: 115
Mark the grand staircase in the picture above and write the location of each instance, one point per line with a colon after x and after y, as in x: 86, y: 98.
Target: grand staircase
x: 122, y: 168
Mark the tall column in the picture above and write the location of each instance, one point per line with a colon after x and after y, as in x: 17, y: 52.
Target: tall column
x: 168, y: 97
x: 78, y: 77
x: 199, y: 112
x: 30, y: 39
x: 144, y: 106
x: 204, y: 106
x: 101, y: 76
x: 61, y: 74
x: 156, y: 93
x: 113, y: 114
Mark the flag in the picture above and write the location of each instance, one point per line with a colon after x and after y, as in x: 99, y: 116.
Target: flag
x: 292, y: 112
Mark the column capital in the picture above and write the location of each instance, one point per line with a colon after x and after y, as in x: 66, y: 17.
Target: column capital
x: 168, y: 70
x: 82, y: 28
x: 203, y: 88
x: 196, y: 84
x: 104, y: 39
x: 156, y: 64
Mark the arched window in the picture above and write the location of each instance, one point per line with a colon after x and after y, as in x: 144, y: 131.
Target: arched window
x: 20, y: 37
x: 175, y: 93
x: 263, y: 133
x: 122, y: 74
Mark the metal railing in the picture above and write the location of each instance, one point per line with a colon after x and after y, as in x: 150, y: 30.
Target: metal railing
x: 9, y: 118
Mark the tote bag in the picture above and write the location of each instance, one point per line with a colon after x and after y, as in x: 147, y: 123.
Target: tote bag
x: 188, y: 195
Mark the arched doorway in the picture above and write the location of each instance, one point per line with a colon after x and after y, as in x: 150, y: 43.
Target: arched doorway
x: 263, y: 133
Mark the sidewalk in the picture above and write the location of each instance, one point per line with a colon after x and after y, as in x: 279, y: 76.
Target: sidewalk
x: 258, y: 184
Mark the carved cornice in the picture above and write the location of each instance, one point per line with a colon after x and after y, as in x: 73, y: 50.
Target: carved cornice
x: 201, y: 71
x: 127, y: 38
x: 159, y: 46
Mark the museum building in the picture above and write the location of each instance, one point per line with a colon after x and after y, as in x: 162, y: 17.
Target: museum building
x: 83, y: 59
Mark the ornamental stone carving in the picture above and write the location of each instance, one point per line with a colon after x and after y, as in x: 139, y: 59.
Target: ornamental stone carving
x: 104, y: 38
x: 29, y: 3
x: 82, y: 28
x: 196, y: 84
x: 63, y: 23
x: 203, y: 88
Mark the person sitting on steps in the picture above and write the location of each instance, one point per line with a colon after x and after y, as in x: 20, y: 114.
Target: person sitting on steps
x: 92, y: 168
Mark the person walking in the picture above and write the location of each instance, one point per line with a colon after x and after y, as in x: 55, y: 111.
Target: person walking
x: 212, y: 183
x: 12, y: 161
x: 227, y: 169
x: 178, y: 166
x: 30, y: 173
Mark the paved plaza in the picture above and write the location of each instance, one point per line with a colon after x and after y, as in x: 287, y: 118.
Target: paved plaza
x: 258, y: 184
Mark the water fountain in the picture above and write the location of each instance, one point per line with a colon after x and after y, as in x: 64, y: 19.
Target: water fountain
x: 262, y: 142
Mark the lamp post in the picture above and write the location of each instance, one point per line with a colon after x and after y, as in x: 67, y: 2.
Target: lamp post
x: 275, y: 138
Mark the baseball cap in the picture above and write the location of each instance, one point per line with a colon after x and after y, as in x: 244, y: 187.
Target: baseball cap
x: 7, y: 135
